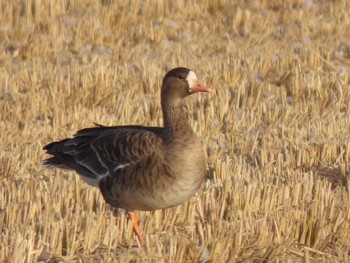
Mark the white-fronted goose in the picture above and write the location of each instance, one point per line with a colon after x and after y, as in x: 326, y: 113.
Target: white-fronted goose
x: 138, y: 167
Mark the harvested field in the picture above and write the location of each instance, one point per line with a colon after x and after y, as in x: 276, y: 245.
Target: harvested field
x: 276, y: 127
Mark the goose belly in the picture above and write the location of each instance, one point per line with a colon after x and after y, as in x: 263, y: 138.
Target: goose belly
x: 159, y: 198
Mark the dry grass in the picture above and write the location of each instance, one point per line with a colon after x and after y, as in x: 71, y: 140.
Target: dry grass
x: 276, y: 127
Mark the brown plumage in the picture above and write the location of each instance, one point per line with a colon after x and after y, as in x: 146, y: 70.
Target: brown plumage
x: 138, y: 167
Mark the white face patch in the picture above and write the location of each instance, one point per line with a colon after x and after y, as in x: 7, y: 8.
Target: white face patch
x: 191, y: 79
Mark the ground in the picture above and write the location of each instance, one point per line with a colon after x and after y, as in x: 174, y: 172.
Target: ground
x: 275, y: 128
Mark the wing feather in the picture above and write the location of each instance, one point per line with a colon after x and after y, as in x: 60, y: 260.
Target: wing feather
x: 98, y: 151
x: 124, y: 146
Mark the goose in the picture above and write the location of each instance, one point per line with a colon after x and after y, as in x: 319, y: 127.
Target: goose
x: 138, y: 167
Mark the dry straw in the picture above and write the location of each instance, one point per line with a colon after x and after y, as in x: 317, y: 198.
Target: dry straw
x: 276, y: 127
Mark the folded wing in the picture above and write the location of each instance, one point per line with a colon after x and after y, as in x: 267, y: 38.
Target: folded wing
x: 100, y: 151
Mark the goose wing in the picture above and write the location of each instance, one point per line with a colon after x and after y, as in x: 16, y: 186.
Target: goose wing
x: 99, y: 151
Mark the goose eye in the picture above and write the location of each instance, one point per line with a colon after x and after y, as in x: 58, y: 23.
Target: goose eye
x: 180, y: 77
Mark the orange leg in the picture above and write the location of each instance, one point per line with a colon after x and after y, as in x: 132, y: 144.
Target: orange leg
x: 135, y: 226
